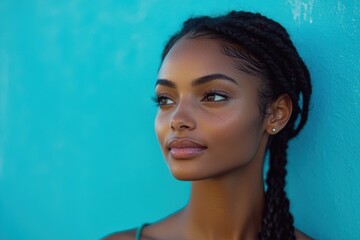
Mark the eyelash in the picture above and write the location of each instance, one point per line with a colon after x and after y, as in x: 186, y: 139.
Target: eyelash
x: 158, y: 98
x: 215, y: 92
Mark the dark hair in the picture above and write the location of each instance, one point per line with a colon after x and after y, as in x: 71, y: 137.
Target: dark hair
x: 262, y: 47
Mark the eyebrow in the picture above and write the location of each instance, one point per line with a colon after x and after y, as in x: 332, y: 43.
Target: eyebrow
x: 198, y: 81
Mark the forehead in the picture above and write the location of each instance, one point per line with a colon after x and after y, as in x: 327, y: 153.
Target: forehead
x: 196, y: 57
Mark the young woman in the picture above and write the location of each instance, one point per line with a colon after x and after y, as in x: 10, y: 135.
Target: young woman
x: 229, y: 89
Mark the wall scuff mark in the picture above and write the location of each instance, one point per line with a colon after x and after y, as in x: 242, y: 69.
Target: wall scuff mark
x: 302, y: 10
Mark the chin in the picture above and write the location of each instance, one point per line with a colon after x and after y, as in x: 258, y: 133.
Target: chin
x: 187, y: 177
x: 188, y: 174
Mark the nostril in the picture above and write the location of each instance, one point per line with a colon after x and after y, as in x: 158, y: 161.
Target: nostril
x: 179, y: 125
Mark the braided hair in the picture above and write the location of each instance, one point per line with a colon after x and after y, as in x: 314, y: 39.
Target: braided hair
x: 262, y: 47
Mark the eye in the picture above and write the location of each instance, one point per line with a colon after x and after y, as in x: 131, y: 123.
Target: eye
x: 162, y: 100
x: 214, y: 96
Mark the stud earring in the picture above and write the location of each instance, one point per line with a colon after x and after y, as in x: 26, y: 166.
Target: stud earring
x: 273, y: 130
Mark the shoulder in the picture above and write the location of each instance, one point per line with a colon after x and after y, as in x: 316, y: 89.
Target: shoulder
x: 153, y: 231
x: 123, y: 235
x: 301, y: 236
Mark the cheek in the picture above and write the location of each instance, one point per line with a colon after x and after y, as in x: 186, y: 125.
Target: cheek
x: 236, y: 137
x: 160, y: 125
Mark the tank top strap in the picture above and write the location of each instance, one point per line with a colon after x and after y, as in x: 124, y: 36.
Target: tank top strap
x: 139, y: 231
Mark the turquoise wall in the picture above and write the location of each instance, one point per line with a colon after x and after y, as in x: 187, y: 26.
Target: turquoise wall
x: 78, y: 153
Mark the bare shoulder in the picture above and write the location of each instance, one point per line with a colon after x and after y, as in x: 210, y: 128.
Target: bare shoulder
x: 163, y: 229
x: 301, y: 236
x: 123, y: 235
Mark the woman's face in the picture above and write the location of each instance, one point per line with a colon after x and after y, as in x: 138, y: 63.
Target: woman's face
x: 208, y: 122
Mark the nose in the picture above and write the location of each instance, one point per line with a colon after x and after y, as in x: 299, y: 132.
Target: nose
x: 183, y: 118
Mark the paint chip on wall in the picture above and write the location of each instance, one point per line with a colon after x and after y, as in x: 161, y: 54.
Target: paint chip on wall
x: 302, y: 10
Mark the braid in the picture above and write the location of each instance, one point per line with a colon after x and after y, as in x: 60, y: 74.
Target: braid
x: 277, y: 222
x: 263, y: 48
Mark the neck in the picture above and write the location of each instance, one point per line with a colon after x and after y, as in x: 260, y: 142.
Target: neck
x: 228, y: 206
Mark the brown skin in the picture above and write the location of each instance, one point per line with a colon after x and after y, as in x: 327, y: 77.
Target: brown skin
x: 227, y: 191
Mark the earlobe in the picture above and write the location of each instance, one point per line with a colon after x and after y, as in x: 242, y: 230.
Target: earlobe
x: 280, y: 112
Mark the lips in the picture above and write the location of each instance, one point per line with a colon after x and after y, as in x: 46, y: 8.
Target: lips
x: 184, y: 148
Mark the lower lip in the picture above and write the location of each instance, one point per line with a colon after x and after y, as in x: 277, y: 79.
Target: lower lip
x: 185, y: 153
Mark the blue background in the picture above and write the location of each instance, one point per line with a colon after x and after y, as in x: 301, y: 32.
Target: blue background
x: 78, y: 154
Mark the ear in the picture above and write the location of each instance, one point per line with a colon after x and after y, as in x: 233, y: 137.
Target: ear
x: 279, y: 113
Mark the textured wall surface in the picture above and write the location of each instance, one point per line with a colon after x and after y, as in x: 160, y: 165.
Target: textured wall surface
x: 78, y: 154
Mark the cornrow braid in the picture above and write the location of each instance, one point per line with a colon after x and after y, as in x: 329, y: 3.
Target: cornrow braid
x: 262, y: 47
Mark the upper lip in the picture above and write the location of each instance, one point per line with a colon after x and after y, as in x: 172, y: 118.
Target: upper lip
x: 184, y: 143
